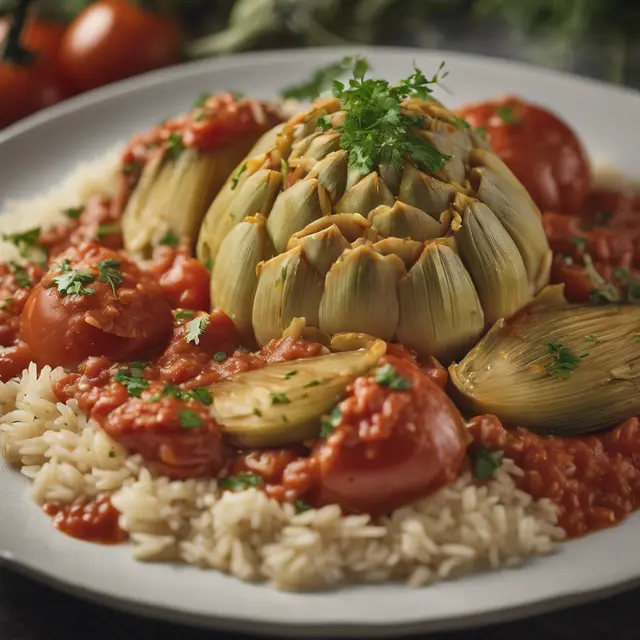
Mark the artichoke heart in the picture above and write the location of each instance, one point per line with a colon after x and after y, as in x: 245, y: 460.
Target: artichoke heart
x: 283, y: 403
x: 559, y: 369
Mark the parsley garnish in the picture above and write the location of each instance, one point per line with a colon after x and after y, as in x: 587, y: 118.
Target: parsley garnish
x: 208, y: 264
x: 257, y: 412
x: 201, y: 100
x: 220, y: 356
x: 331, y: 423
x: 73, y: 213
x: 189, y: 419
x: 312, y: 383
x: 196, y: 327
x: 564, y: 361
x: 592, y: 337
x: 199, y: 394
x: 481, y: 132
x: 324, y: 122
x: 241, y: 481
x: 578, y: 241
x: 636, y: 339
x: 185, y: 313
x: 112, y: 454
x: 283, y: 273
x: 131, y: 378
x: 202, y: 395
x: 388, y: 376
x: 236, y: 178
x: 175, y: 146
x: 73, y: 281
x: 109, y: 274
x: 290, y: 374
x: 279, y: 398
x: 485, y: 462
x: 25, y: 241
x: 323, y: 77
x: 108, y: 229
x: 633, y: 292
x: 130, y: 167
x: 22, y: 275
x: 301, y: 506
x: 600, y: 219
x: 170, y: 239
x: 508, y: 115
x: 6, y: 303
x: 378, y: 130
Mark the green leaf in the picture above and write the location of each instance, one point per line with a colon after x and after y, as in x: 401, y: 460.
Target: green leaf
x: 189, y: 419
x: 170, y: 239
x: 108, y: 229
x: 175, y: 146
x: 21, y: 274
x: 481, y: 132
x: 185, y: 313
x: 242, y: 481
x: 220, y: 356
x: 73, y: 213
x: 301, y: 507
x: 592, y: 337
x: 290, y: 374
x: 73, y: 281
x: 130, y: 167
x: 564, y: 361
x: 331, y: 422
x: 25, y: 241
x: 485, y: 462
x: 195, y: 328
x: 312, y: 383
x: 578, y: 241
x: 387, y: 376
x: 108, y: 273
x: 508, y: 115
x: 279, y: 398
x: 236, y: 177
x: 324, y: 123
x: 130, y: 377
x: 202, y: 395
x: 201, y: 100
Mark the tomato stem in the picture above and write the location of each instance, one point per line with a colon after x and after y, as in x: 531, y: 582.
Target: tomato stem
x: 13, y: 50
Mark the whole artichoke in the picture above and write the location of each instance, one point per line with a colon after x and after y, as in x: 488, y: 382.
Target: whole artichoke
x: 426, y: 255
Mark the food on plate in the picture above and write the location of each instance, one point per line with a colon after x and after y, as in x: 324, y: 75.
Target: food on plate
x: 346, y: 344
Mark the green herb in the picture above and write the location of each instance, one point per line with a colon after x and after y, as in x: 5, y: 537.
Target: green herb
x: 377, y: 130
x: 189, y: 419
x: 196, y: 327
x: 241, y: 482
x: 283, y: 272
x: 461, y: 123
x: 481, y: 132
x: 636, y: 339
x: 322, y: 78
x: 25, y: 241
x: 108, y: 229
x: 175, y: 146
x: 6, y: 303
x: 201, y: 100
x: 592, y: 337
x: 22, y: 275
x: 131, y: 167
x: 331, y: 422
x: 290, y: 374
x: 602, y: 218
x: 208, y: 264
x: 279, y: 398
x: 508, y: 115
x: 73, y: 213
x: 184, y: 313
x: 202, y: 395
x: 578, y: 241
x: 485, y: 462
x: 170, y: 239
x: 112, y: 454
x: 132, y: 380
x: 257, y: 412
x: 301, y: 506
x: 564, y: 361
x: 312, y: 383
x: 137, y: 368
x: 633, y: 292
x: 199, y: 394
x: 109, y: 274
x: 236, y: 178
x: 73, y: 281
x: 324, y: 122
x: 220, y: 356
x: 388, y: 376
x: 620, y: 273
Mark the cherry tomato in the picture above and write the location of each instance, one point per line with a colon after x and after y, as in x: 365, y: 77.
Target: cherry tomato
x: 542, y: 151
x: 112, y: 39
x: 64, y: 329
x: 392, y: 446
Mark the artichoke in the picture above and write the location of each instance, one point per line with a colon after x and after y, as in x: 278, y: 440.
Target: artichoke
x: 424, y: 237
x: 185, y: 170
x: 556, y: 369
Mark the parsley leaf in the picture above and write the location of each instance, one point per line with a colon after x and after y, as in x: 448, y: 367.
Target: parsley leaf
x: 108, y: 229
x: 220, y: 356
x: 201, y: 100
x: 6, y: 303
x: 196, y: 327
x: 130, y: 377
x: 508, y: 115
x: 290, y: 374
x: 257, y: 412
x: 131, y: 167
x: 189, y: 419
x: 485, y: 462
x: 481, y: 132
x: 73, y: 213
x: 170, y: 239
x: 25, y: 241
x: 73, y: 281
x: 241, y: 481
x: 279, y: 398
x: 564, y: 361
x: 175, y: 146
x: 312, y: 383
x: 331, y: 422
x: 592, y: 337
x: 324, y: 122
x: 236, y: 177
x: 108, y: 273
x: 22, y: 275
x: 387, y: 376
x: 578, y: 241
x: 185, y: 313
x: 202, y: 395
x: 301, y: 507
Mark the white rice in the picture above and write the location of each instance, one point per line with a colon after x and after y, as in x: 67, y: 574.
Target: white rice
x: 459, y: 529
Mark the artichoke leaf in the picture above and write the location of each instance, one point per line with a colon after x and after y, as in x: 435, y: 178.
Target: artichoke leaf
x: 425, y: 192
x: 331, y: 173
x: 273, y: 406
x: 404, y: 221
x: 513, y: 372
x: 367, y: 194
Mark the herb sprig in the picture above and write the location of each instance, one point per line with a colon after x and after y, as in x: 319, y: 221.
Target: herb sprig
x: 564, y: 361
x: 195, y: 328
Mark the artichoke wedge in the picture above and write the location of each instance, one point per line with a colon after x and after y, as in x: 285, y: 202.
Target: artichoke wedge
x: 283, y: 402
x: 561, y: 369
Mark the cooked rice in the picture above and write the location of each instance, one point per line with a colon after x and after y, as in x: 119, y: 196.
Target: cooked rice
x: 459, y: 529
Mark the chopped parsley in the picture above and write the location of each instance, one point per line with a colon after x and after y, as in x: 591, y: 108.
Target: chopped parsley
x: 112, y: 454
x: 324, y: 122
x: 107, y: 230
x: 185, y: 313
x: 73, y: 213
x: 220, y: 356
x: 199, y: 394
x: 202, y: 395
x: 387, y: 376
x: 236, y: 178
x: 508, y: 115
x: 636, y: 339
x: 175, y: 146
x: 72, y: 281
x: 564, y: 361
x: 485, y: 463
x: 21, y: 274
x: 378, y: 130
x: 323, y: 78
x: 620, y: 273
x: 461, y: 123
x: 279, y: 398
x: 170, y: 239
x: 290, y: 374
x: 331, y: 422
x: 25, y: 241
x: 257, y: 412
x: 600, y: 219
x: 578, y: 241
x: 131, y: 167
x: 6, y: 303
x: 481, y: 132
x: 196, y: 327
x: 633, y: 292
x: 241, y: 481
x: 189, y: 419
x: 301, y: 507
x: 109, y: 274
x: 312, y: 383
x: 208, y: 264
x: 131, y: 378
x: 592, y: 337
x: 283, y: 273
x: 201, y: 100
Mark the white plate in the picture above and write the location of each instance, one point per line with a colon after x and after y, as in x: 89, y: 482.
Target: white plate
x: 38, y: 152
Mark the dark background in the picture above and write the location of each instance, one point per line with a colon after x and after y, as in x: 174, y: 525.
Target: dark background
x: 598, y: 38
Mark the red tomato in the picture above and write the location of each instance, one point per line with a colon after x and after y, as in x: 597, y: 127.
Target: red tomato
x: 391, y: 446
x: 539, y: 148
x: 112, y: 39
x: 41, y: 37
x: 186, y: 284
x: 63, y: 330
